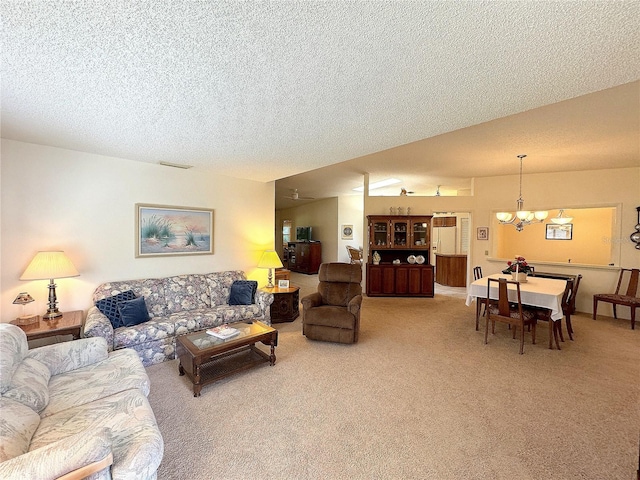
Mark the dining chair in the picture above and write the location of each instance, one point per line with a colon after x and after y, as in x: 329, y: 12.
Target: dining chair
x: 628, y: 298
x: 477, y: 274
x: 509, y: 312
x: 569, y: 304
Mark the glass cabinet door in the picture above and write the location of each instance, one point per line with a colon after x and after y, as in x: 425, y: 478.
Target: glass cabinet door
x: 420, y: 234
x: 400, y: 229
x: 380, y: 234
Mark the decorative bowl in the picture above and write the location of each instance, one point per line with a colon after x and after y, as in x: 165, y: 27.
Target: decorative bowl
x: 419, y: 259
x: 411, y: 259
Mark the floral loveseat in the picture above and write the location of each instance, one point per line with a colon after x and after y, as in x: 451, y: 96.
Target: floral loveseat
x: 176, y: 305
x: 73, y: 406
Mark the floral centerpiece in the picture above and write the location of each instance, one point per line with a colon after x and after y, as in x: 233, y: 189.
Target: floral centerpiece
x: 520, y: 265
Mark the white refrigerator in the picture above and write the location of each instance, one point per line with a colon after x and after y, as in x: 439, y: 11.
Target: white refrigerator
x: 444, y: 240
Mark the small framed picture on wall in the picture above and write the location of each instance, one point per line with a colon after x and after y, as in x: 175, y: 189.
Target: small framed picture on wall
x: 483, y: 233
x: 347, y: 232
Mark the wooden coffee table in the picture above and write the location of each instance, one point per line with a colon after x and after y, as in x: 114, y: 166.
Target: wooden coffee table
x: 205, y: 358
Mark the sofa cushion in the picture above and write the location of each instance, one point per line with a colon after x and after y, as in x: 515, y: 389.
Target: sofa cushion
x: 186, y: 292
x: 13, y: 348
x: 137, y: 443
x: 59, y: 458
x: 109, y: 306
x: 152, y: 289
x: 242, y: 292
x: 29, y: 384
x: 238, y: 313
x: 123, y: 370
x: 219, y: 284
x: 155, y: 329
x: 133, y: 312
x: 17, y: 425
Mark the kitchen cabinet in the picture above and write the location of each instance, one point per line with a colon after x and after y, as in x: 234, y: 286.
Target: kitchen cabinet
x: 451, y: 270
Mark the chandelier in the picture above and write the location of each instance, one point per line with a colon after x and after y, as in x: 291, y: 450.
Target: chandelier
x: 522, y: 217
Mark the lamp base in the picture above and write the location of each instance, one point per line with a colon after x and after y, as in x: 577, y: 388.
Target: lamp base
x: 50, y: 315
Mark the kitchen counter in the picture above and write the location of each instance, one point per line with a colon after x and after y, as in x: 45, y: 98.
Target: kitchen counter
x: 451, y: 270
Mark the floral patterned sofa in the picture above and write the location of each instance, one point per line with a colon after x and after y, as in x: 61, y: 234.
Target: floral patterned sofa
x: 74, y: 408
x: 176, y: 305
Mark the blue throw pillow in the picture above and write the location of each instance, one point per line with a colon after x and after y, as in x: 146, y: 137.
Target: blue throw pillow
x: 109, y: 306
x: 133, y: 312
x: 242, y: 292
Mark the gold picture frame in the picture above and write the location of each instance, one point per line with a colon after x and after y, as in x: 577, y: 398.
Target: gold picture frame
x: 167, y: 230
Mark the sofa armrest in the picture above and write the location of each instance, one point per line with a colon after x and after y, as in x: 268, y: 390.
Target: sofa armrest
x: 58, y: 459
x: 354, y: 305
x: 313, y: 300
x: 67, y: 356
x: 264, y: 300
x: 98, y: 325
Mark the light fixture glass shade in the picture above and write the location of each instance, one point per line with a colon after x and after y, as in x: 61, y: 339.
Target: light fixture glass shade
x: 48, y: 265
x: 523, y: 214
x: 504, y: 216
x: 541, y: 215
x: 561, y: 219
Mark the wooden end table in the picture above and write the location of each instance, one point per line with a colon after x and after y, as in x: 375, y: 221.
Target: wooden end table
x: 70, y: 323
x: 286, y: 304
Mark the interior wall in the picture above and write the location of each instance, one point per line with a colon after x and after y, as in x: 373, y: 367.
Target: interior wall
x: 551, y: 191
x: 350, y: 212
x: 84, y: 204
x: 322, y: 216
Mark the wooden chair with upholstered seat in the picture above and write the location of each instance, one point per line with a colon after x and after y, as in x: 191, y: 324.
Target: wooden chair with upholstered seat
x: 629, y: 298
x: 477, y: 274
x: 508, y: 311
x: 569, y: 304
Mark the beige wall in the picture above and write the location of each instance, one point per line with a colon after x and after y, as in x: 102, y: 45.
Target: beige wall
x: 84, y: 204
x: 322, y: 216
x: 541, y: 192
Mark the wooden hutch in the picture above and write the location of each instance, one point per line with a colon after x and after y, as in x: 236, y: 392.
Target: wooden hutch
x: 304, y: 257
x: 396, y: 238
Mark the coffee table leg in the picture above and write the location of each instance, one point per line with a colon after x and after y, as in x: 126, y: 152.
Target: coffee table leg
x: 197, y: 386
x: 180, y: 369
x: 272, y: 357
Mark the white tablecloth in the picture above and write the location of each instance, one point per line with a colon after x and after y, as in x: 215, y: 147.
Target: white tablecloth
x: 536, y: 291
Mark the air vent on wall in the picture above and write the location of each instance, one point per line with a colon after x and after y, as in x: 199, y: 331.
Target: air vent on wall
x: 176, y: 165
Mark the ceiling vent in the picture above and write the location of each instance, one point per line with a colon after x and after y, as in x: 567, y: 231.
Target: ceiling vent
x: 176, y: 165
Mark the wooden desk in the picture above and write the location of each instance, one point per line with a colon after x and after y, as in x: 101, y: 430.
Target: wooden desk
x: 70, y: 323
x: 539, y: 292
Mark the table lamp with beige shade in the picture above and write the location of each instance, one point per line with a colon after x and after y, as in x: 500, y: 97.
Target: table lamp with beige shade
x: 50, y: 265
x: 270, y: 260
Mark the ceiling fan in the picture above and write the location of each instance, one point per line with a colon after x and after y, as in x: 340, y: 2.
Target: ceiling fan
x: 296, y: 196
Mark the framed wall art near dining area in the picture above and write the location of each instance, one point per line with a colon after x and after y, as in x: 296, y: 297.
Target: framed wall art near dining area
x: 559, y: 232
x: 163, y: 230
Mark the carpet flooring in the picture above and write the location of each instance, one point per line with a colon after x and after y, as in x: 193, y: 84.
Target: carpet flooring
x: 419, y: 397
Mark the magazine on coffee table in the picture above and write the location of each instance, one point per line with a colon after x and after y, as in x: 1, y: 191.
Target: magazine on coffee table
x: 223, y: 332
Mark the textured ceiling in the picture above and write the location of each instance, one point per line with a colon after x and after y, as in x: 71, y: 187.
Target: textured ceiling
x: 266, y: 90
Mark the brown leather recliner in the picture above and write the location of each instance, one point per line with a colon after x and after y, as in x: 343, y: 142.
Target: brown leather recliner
x: 332, y: 314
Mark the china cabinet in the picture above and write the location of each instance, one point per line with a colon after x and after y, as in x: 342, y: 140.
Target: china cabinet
x: 402, y: 265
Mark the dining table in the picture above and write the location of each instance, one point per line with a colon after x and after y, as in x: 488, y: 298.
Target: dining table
x: 543, y: 293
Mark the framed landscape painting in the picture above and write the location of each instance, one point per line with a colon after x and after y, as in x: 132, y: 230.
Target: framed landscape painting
x: 163, y: 230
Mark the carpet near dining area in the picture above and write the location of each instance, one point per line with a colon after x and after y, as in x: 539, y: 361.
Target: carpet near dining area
x: 419, y: 397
